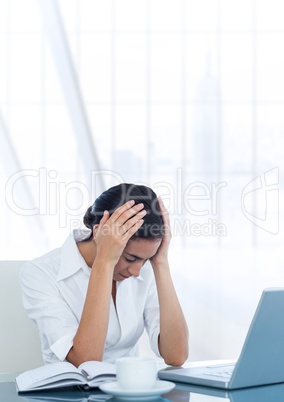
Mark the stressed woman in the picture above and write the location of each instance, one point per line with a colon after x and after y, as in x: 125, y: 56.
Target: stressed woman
x: 93, y: 297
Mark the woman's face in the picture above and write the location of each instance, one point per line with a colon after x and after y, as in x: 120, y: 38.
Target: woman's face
x: 134, y: 256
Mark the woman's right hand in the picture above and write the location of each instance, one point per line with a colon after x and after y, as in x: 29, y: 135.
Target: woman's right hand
x: 113, y: 232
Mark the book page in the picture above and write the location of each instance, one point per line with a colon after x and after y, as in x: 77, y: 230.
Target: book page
x: 46, y: 374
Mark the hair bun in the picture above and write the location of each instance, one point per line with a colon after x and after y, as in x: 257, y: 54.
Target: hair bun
x: 88, y: 218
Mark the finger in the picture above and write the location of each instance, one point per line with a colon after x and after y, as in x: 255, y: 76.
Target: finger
x: 125, y: 212
x: 165, y: 213
x: 102, y: 222
x: 133, y: 229
x: 132, y: 221
x: 104, y: 218
x: 120, y: 210
x: 166, y: 218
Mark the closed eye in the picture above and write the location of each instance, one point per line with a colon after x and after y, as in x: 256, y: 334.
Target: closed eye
x: 130, y: 260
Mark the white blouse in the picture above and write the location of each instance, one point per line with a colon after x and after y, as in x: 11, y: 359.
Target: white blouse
x: 54, y: 289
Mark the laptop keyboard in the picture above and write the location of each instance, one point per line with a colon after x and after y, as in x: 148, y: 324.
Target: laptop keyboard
x: 217, y: 371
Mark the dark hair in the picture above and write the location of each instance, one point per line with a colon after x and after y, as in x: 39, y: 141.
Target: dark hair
x: 114, y: 197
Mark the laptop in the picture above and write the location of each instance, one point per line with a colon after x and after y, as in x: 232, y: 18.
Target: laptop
x: 261, y: 361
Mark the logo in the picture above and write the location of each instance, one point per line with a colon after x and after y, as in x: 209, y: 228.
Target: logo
x: 260, y: 201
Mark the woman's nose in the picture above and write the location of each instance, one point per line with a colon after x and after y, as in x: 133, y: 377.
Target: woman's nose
x: 135, y: 269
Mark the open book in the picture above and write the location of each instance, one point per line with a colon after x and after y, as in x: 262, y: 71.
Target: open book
x: 63, y: 374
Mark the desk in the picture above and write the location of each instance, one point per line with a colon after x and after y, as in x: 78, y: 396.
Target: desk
x: 181, y: 393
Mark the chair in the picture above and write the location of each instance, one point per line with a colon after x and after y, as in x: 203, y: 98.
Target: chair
x: 19, y: 339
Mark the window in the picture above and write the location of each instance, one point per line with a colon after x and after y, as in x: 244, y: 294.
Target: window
x: 185, y: 96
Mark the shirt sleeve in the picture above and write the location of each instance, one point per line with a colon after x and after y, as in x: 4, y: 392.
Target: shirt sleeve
x: 45, y: 305
x: 152, y: 317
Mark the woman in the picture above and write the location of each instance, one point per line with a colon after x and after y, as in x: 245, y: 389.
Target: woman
x: 93, y: 297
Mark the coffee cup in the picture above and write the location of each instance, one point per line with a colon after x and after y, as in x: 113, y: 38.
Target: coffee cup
x: 136, y: 373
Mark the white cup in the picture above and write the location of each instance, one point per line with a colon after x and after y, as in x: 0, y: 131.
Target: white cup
x: 136, y: 373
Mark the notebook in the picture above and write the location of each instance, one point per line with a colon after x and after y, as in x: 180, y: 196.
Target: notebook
x: 261, y: 361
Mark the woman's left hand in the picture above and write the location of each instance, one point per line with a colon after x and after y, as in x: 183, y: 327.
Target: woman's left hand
x: 162, y: 254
